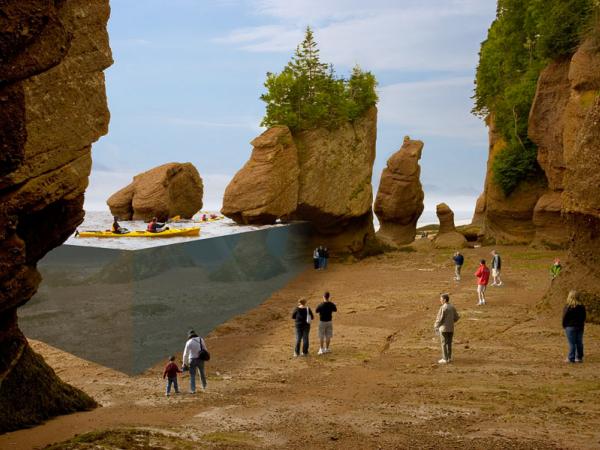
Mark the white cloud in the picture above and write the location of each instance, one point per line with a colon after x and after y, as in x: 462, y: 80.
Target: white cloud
x: 432, y: 108
x: 380, y: 35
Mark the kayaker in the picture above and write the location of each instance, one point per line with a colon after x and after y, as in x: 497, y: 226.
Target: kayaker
x: 155, y: 226
x: 118, y: 229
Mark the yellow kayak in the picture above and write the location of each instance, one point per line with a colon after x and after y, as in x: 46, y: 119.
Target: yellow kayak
x: 173, y: 232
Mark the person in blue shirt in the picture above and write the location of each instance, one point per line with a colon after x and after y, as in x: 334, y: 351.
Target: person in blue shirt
x: 458, y: 263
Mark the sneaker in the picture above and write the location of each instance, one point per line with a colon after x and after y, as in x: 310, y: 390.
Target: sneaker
x: 295, y: 355
x: 442, y: 361
x: 327, y: 350
x: 500, y: 284
x: 303, y: 354
x: 192, y: 392
x: 321, y: 351
x: 569, y: 361
x: 578, y: 360
x: 168, y: 395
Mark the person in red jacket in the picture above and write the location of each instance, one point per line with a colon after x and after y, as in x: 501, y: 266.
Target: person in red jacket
x: 483, y: 278
x: 170, y: 373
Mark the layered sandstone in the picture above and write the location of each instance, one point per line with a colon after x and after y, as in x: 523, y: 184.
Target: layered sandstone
x: 447, y: 236
x: 272, y: 173
x: 333, y: 182
x: 507, y: 219
x: 169, y: 190
x: 399, y: 202
x: 52, y: 108
x: 565, y: 124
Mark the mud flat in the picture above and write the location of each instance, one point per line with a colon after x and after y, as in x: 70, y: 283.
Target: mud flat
x: 379, y: 388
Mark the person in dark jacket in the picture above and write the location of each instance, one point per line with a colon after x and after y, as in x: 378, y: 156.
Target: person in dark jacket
x: 302, y: 316
x: 573, y: 322
x: 496, y: 268
x: 459, y: 260
x: 325, y: 257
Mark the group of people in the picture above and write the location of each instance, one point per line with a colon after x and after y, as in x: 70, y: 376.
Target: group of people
x: 195, y: 355
x: 320, y: 257
x: 303, y: 317
x: 154, y: 226
x: 483, y: 273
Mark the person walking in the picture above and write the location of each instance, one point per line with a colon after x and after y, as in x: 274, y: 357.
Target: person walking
x: 573, y: 322
x: 316, y: 258
x: 302, y: 316
x: 459, y: 260
x: 325, y: 311
x: 483, y: 278
x: 496, y: 266
x: 444, y: 325
x: 170, y: 373
x: 192, y: 360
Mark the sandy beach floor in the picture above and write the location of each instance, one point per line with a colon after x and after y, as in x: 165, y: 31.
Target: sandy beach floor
x: 380, y: 387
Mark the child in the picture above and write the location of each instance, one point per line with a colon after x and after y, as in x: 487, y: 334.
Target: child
x: 170, y: 372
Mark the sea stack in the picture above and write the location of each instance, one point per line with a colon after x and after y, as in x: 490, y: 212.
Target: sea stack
x: 320, y: 175
x: 266, y: 188
x: 173, y: 189
x: 447, y: 236
x: 399, y: 202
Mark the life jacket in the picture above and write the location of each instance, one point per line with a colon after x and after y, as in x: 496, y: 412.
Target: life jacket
x: 151, y: 227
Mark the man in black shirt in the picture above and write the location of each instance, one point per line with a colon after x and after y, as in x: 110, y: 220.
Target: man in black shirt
x: 325, y: 311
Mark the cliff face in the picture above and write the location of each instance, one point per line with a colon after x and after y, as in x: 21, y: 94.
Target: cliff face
x: 331, y: 170
x: 580, y: 193
x: 52, y: 107
x: 506, y: 220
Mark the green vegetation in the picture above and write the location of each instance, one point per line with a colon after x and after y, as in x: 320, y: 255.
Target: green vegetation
x: 524, y: 37
x: 308, y: 94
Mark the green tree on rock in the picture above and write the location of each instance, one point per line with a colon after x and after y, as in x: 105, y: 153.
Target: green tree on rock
x: 307, y: 94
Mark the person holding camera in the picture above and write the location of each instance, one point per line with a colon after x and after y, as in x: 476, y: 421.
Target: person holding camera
x: 195, y: 354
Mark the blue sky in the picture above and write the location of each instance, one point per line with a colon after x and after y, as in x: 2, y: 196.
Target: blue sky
x: 188, y: 74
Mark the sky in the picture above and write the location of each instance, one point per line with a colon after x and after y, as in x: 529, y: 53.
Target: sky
x: 188, y: 74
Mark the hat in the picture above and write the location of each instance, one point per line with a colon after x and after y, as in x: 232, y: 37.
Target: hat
x: 192, y: 333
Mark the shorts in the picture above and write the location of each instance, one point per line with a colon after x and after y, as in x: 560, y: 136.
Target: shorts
x: 495, y: 272
x: 325, y: 330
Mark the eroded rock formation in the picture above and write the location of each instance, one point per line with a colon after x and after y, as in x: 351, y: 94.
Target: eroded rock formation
x: 507, y: 220
x: 52, y: 107
x: 169, y: 190
x: 399, y: 202
x: 333, y: 181
x: 447, y: 236
x: 272, y: 171
x: 580, y: 199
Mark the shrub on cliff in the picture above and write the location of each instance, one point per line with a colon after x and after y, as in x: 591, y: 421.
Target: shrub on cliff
x: 520, y: 42
x: 308, y: 94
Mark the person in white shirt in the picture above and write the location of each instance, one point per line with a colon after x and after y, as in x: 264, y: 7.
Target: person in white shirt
x: 191, y: 359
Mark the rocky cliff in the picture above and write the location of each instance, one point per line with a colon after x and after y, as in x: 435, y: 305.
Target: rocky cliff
x: 506, y: 220
x: 572, y: 165
x: 52, y: 108
x: 399, y: 202
x: 333, y: 179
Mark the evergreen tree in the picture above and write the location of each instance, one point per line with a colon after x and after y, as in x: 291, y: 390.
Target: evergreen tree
x: 307, y: 93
